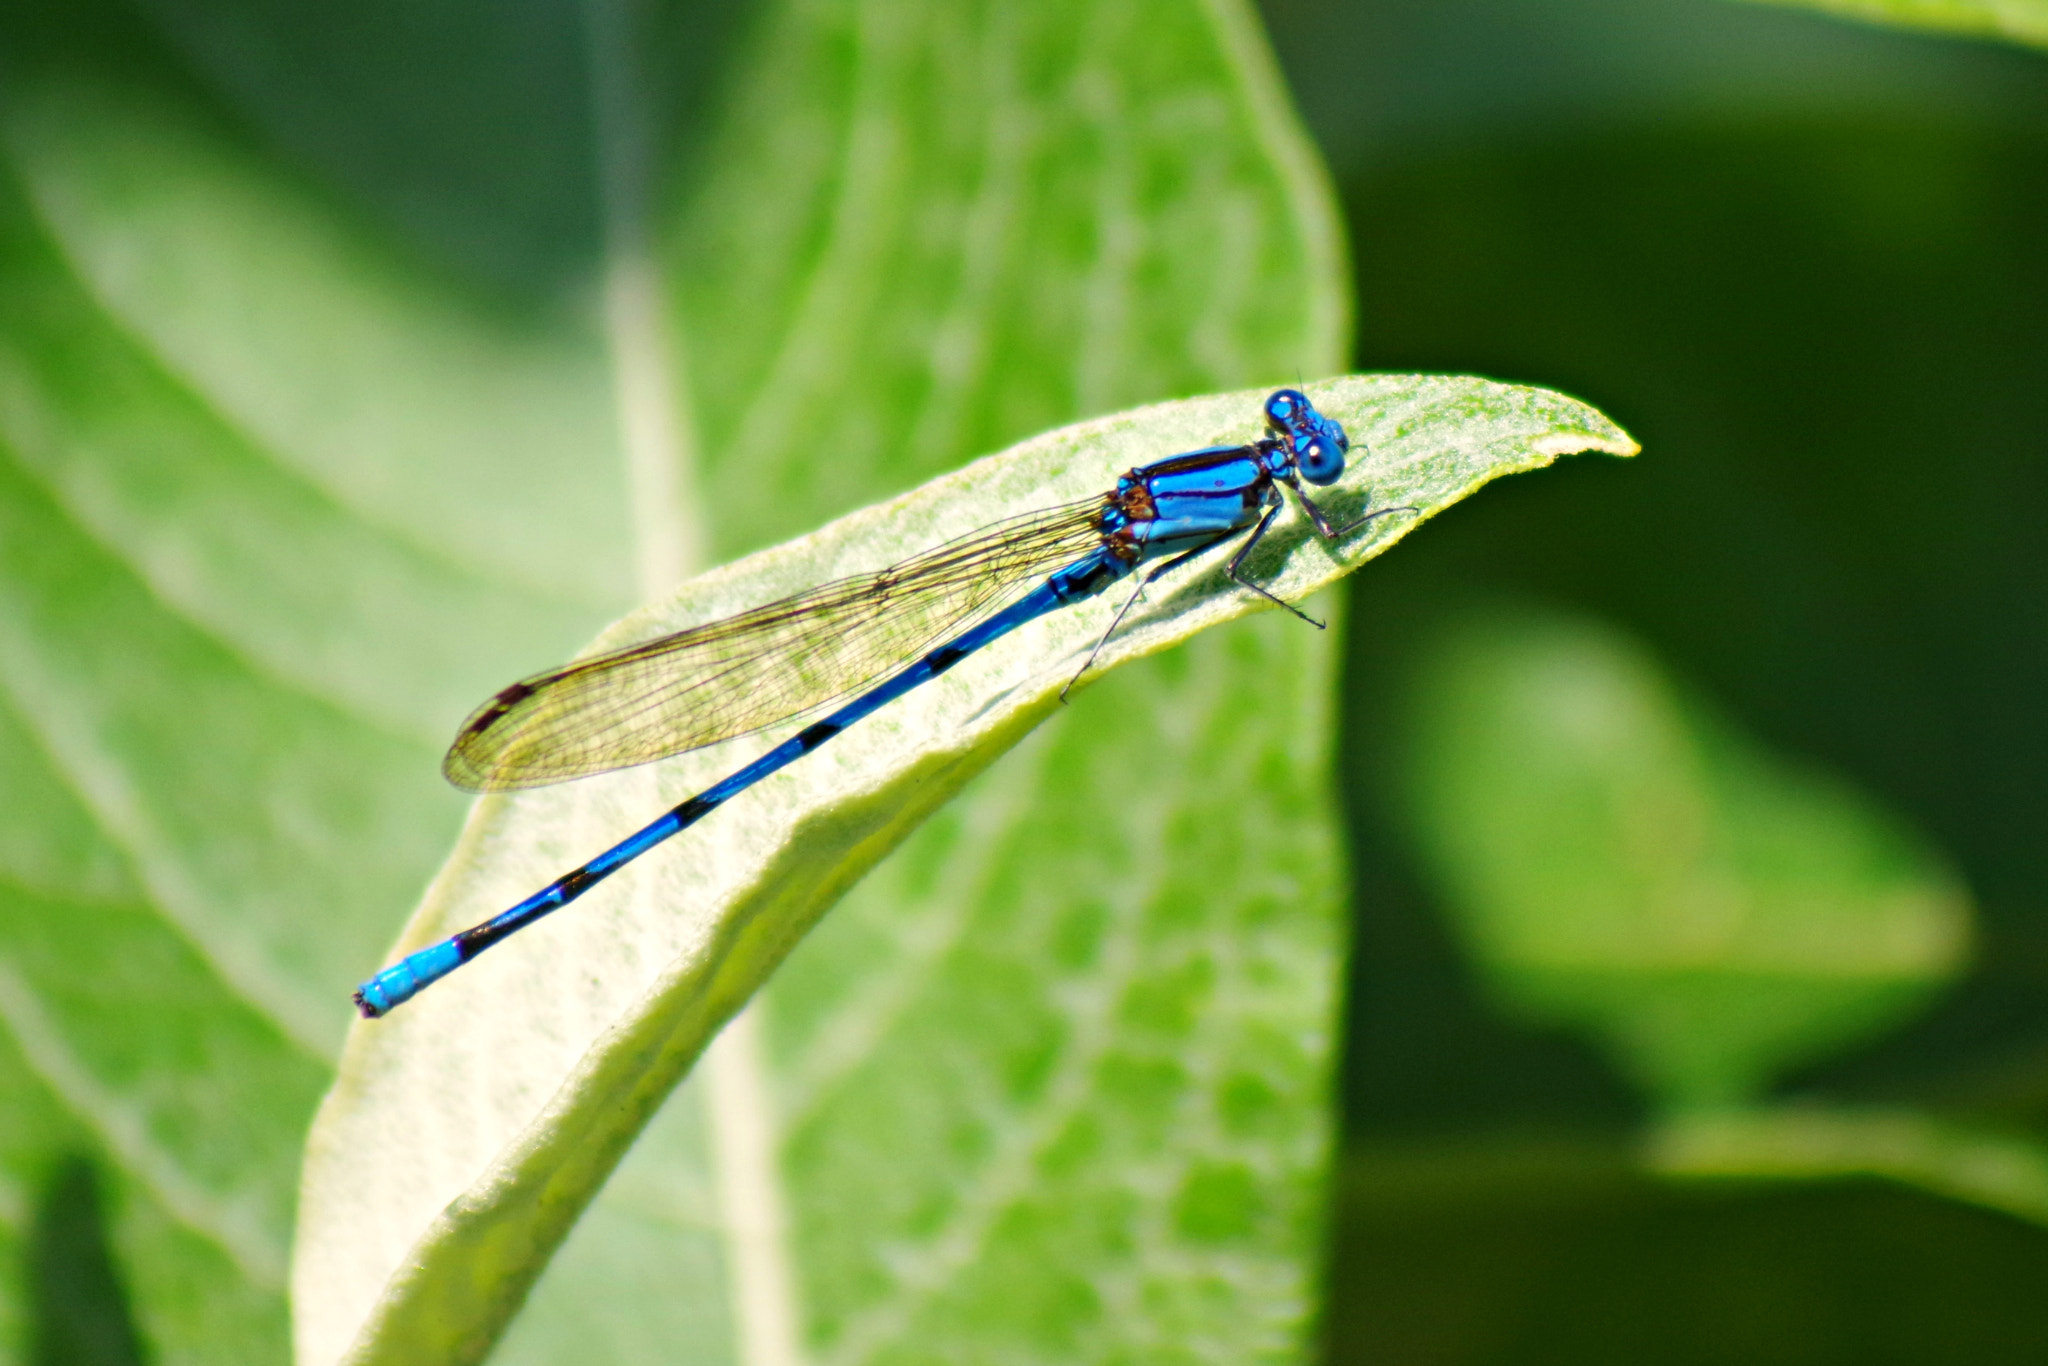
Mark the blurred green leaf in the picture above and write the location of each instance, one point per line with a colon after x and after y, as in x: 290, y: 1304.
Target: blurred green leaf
x: 1621, y: 860
x: 230, y: 624
x: 2001, y: 1171
x: 2022, y: 21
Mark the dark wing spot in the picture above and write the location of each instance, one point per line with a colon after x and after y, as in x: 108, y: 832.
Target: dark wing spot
x: 505, y: 701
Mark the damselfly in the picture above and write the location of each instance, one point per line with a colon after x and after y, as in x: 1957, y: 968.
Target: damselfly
x: 731, y: 677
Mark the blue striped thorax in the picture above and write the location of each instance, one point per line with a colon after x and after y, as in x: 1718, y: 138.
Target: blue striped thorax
x: 1170, y: 505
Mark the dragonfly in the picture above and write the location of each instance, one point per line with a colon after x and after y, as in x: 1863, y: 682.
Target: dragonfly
x: 848, y: 639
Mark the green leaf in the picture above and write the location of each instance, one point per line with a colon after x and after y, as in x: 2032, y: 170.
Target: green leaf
x: 1621, y: 860
x: 2022, y: 21
x: 1962, y: 1161
x: 1103, y: 1015
x: 229, y: 621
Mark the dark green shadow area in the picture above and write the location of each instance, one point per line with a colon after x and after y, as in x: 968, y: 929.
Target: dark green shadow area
x: 463, y: 128
x: 78, y: 1309
x: 1583, y: 1266
x: 1830, y: 340
x: 1810, y: 279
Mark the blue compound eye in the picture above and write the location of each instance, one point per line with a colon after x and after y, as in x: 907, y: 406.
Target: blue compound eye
x: 1284, y: 408
x: 1321, y: 458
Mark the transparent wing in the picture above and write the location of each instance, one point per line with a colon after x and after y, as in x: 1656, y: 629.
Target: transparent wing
x: 779, y: 660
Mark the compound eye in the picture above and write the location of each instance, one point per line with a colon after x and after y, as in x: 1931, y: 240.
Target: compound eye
x: 1283, y: 407
x: 1320, y: 461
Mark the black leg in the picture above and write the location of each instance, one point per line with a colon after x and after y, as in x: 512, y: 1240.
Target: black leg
x: 1131, y: 602
x: 1330, y: 533
x: 1236, y: 566
x: 1116, y: 621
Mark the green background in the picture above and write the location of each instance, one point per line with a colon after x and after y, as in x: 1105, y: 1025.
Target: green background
x: 1802, y: 262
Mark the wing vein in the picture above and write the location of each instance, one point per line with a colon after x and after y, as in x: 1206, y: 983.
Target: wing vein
x: 729, y: 677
